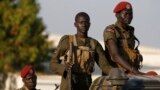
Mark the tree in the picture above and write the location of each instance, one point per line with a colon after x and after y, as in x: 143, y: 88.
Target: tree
x: 22, y: 37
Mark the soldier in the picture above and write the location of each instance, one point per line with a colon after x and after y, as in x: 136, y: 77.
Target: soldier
x: 120, y: 41
x: 3, y: 78
x: 83, y: 51
x: 29, y: 78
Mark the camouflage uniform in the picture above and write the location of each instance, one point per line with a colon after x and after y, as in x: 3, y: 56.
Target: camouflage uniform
x: 125, y: 40
x: 82, y: 78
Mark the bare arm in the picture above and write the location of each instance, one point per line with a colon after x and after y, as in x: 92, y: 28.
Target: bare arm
x: 114, y: 52
x: 101, y: 60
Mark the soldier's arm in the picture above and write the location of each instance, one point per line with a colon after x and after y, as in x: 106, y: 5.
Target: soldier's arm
x: 55, y: 63
x: 110, y: 42
x: 113, y: 49
x: 101, y: 59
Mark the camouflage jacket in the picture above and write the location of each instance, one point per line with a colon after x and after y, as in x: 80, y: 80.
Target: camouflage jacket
x: 59, y: 68
x: 125, y: 40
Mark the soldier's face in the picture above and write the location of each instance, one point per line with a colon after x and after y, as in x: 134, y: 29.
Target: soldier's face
x: 82, y: 24
x: 126, y: 16
x: 30, y: 80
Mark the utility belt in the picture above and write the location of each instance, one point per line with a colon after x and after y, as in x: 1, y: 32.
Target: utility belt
x: 135, y: 57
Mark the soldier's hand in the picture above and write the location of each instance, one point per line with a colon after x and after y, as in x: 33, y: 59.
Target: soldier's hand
x: 140, y: 73
x: 136, y: 72
x: 68, y: 66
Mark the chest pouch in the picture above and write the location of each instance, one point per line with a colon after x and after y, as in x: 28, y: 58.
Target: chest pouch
x: 133, y: 54
x: 82, y: 57
x: 85, y: 59
x: 135, y: 57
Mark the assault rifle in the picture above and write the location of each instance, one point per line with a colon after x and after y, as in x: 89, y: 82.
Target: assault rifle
x: 70, y: 60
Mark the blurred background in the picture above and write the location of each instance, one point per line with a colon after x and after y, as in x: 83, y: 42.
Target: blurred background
x: 30, y: 31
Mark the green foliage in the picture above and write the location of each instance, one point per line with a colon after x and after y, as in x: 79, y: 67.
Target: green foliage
x: 22, y: 38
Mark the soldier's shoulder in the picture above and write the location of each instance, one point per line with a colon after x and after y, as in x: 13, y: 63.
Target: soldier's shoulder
x: 64, y: 38
x: 94, y: 41
x: 110, y: 28
x: 131, y: 28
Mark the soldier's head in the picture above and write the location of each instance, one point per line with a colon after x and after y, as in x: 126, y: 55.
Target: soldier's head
x: 82, y: 22
x: 124, y: 12
x: 29, y: 77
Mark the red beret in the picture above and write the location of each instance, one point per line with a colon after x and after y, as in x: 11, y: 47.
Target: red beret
x: 122, y: 6
x: 26, y: 70
x: 152, y: 73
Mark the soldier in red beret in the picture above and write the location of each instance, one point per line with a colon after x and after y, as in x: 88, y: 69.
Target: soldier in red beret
x: 120, y: 40
x: 152, y: 73
x: 29, y: 78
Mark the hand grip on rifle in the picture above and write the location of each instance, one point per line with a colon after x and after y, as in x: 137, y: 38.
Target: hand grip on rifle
x: 69, y: 62
x: 68, y: 66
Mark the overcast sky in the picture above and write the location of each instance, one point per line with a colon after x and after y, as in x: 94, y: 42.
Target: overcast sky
x: 58, y: 16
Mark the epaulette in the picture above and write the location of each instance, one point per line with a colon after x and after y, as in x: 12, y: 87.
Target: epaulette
x: 110, y: 28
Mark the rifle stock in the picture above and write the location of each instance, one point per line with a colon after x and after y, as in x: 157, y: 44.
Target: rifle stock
x: 70, y: 57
